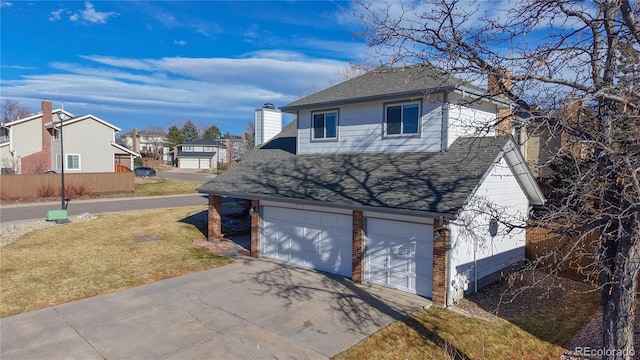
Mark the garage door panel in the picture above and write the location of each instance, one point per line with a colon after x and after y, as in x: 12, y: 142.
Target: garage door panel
x: 315, y: 239
x: 399, y: 255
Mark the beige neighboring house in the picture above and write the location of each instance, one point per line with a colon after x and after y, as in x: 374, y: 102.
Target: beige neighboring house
x: 31, y: 145
x: 147, y: 143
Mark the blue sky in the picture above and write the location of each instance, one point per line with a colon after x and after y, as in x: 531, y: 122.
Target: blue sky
x: 144, y: 63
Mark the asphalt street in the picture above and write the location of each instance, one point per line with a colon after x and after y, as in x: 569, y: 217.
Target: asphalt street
x: 10, y: 214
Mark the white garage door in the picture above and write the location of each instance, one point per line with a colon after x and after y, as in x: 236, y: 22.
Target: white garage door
x: 399, y: 255
x: 186, y: 163
x: 313, y: 239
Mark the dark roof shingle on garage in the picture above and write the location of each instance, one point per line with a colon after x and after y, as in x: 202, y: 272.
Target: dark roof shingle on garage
x: 432, y: 182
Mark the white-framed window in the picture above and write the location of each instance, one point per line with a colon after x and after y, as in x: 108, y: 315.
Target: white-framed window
x: 73, y: 162
x: 325, y: 125
x: 207, y: 148
x: 402, y: 119
x: 187, y: 148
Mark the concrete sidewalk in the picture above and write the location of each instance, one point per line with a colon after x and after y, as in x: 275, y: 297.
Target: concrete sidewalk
x: 253, y: 308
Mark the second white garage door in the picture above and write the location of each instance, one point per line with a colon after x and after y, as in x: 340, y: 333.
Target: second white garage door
x: 314, y: 239
x: 399, y: 255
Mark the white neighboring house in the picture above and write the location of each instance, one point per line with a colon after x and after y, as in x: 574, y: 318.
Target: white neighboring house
x: 399, y: 177
x: 31, y: 145
x: 201, y: 154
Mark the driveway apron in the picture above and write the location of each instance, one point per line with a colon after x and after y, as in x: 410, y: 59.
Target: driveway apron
x: 251, y: 309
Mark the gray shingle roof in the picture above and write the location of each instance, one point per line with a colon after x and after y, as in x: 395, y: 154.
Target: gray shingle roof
x: 424, y: 181
x: 383, y: 83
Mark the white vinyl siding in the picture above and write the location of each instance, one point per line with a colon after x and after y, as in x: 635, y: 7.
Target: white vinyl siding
x: 27, y: 137
x: 361, y: 129
x: 499, y: 194
x: 90, y: 139
x: 470, y: 121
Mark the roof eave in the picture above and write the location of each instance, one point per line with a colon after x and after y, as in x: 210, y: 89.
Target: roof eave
x: 364, y: 99
x: 262, y: 197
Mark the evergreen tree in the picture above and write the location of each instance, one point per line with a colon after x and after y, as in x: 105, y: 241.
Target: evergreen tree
x: 174, y: 137
x: 212, y: 132
x: 189, y: 131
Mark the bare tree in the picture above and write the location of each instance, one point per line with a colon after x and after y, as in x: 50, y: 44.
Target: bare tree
x: 249, y: 137
x: 157, y: 139
x: 559, y: 63
x: 11, y: 110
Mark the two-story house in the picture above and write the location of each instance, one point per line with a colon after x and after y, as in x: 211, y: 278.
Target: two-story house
x: 31, y: 145
x: 395, y: 178
x: 200, y: 154
x: 148, y: 143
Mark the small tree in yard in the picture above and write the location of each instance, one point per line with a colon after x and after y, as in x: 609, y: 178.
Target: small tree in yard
x: 567, y: 65
x: 174, y: 137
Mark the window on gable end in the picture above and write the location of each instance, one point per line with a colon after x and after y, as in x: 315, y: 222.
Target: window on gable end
x: 402, y: 119
x: 325, y: 125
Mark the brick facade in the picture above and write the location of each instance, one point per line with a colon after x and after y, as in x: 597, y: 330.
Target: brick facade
x: 40, y: 162
x: 255, y: 228
x: 440, y: 250
x: 215, y: 218
x: 357, y: 251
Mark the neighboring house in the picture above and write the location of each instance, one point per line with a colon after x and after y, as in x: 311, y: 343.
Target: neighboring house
x: 201, y: 154
x: 378, y: 180
x: 147, y: 143
x: 31, y: 145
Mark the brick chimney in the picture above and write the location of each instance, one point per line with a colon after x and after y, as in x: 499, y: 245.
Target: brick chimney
x: 136, y: 143
x: 495, y: 83
x: 40, y: 161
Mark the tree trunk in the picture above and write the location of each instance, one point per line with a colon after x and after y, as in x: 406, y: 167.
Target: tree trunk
x: 619, y: 297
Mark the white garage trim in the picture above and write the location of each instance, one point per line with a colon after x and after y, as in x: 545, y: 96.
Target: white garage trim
x: 306, y: 207
x: 187, y: 163
x: 399, y: 255
x: 309, y: 238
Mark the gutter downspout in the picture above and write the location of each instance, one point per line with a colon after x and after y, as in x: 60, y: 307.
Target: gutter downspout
x: 444, y: 139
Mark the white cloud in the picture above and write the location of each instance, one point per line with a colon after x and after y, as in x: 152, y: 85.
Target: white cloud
x: 6, y: 4
x: 180, y: 42
x: 222, y: 91
x: 56, y: 15
x: 90, y: 15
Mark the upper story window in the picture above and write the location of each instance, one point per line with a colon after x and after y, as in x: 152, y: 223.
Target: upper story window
x: 56, y: 134
x: 208, y: 149
x: 402, y: 119
x: 187, y: 148
x: 325, y: 125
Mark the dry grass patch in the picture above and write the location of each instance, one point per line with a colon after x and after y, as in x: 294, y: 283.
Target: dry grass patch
x: 439, y: 333
x: 162, y: 186
x: 78, y: 260
x: 537, y: 324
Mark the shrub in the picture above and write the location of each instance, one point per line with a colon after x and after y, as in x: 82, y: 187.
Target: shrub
x: 137, y: 161
x: 76, y: 190
x: 46, y: 190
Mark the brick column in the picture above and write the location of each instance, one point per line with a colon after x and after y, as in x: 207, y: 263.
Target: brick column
x: 357, y: 250
x: 215, y: 218
x: 440, y: 246
x: 255, y: 228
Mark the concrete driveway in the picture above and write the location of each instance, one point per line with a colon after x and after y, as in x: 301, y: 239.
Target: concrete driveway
x: 251, y: 309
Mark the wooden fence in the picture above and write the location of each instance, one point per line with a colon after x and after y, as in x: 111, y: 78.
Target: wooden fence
x: 542, y: 242
x: 48, y: 185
